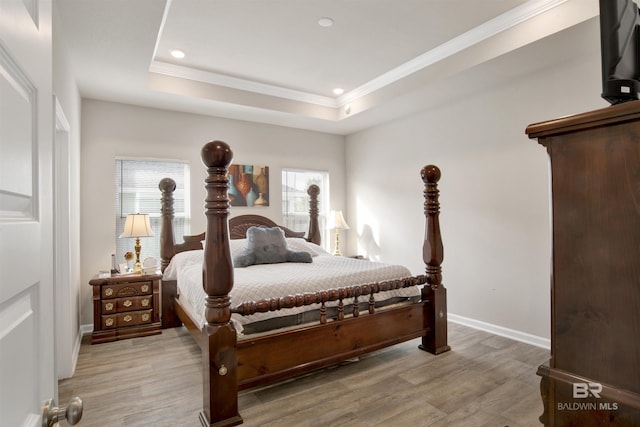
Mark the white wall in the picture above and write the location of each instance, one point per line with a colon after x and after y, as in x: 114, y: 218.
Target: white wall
x: 110, y: 130
x: 494, y: 186
x: 66, y: 92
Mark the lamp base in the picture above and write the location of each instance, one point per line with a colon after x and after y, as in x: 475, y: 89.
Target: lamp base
x: 336, y: 251
x: 137, y: 267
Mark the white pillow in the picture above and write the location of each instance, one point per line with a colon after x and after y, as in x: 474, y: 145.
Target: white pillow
x: 299, y: 244
x: 186, y: 258
x: 236, y: 245
x: 181, y: 260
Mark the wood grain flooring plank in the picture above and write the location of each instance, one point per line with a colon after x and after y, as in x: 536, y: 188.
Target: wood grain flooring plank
x: 485, y: 380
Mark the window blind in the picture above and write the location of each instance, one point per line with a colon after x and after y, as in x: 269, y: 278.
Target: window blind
x: 136, y: 190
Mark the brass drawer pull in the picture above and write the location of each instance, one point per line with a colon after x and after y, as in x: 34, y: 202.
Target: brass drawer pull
x: 145, y: 302
x: 108, y: 291
x: 127, y: 303
x: 109, y: 321
x: 145, y: 317
x: 144, y: 288
x: 127, y: 318
x: 108, y: 306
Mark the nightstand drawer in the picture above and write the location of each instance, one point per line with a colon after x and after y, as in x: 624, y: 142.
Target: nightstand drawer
x: 134, y: 303
x: 127, y: 304
x: 120, y: 320
x: 126, y: 290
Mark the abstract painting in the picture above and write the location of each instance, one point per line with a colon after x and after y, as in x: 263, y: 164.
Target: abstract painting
x: 249, y: 185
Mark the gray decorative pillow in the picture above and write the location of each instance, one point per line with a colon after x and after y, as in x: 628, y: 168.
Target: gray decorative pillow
x: 298, y: 256
x: 267, y: 246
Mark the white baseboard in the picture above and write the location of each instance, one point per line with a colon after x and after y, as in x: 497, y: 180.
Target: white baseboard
x: 86, y: 329
x: 501, y: 331
x: 76, y: 352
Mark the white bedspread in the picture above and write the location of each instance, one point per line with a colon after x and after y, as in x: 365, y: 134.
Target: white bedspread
x: 277, y: 280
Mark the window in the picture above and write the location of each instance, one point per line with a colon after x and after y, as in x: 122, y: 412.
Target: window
x: 295, y: 200
x: 137, y: 192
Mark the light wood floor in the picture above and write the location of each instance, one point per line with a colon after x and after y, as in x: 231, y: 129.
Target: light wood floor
x: 485, y: 380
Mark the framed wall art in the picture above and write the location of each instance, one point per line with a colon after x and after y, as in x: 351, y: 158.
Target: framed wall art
x: 249, y: 185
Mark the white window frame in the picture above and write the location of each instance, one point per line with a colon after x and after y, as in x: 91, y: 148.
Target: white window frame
x: 295, y: 200
x: 146, y: 199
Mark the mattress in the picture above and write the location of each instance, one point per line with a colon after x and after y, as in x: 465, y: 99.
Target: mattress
x: 266, y: 281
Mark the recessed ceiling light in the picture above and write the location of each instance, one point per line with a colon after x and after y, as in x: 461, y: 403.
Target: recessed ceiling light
x: 177, y: 53
x: 338, y: 91
x: 325, y: 21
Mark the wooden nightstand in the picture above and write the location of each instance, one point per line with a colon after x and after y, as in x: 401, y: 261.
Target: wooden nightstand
x: 125, y: 306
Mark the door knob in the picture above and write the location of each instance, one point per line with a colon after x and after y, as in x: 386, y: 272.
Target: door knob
x: 51, y: 414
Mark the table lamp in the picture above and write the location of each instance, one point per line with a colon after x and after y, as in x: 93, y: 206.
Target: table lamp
x: 337, y: 222
x: 137, y: 225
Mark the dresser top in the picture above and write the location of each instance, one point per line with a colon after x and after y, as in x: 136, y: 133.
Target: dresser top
x: 613, y: 114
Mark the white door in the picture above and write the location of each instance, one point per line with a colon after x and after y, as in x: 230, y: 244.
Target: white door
x: 27, y: 370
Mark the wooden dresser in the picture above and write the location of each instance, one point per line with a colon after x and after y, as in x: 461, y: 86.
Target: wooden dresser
x: 125, y: 307
x: 593, y: 376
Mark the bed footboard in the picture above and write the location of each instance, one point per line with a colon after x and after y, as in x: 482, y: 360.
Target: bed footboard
x: 325, y: 344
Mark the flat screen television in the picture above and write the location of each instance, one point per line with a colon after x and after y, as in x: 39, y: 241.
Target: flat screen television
x: 620, y: 48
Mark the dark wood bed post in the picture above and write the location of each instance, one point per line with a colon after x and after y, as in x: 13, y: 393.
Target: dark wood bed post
x: 219, y: 358
x: 167, y: 240
x: 432, y: 253
x: 169, y: 317
x: 313, y: 235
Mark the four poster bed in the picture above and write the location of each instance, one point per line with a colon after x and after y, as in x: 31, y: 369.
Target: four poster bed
x: 360, y: 306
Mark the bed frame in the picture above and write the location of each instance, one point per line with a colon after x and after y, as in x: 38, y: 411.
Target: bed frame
x: 230, y: 365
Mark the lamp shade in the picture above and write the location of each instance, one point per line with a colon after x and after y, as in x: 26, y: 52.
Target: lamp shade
x: 337, y: 222
x: 137, y: 225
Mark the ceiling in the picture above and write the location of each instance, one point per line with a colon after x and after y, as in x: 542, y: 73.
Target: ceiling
x: 271, y: 61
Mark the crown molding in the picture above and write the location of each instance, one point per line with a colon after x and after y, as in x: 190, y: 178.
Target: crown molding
x: 495, y: 26
x: 240, y: 84
x: 464, y: 41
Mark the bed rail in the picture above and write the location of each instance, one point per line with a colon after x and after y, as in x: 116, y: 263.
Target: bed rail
x: 330, y: 295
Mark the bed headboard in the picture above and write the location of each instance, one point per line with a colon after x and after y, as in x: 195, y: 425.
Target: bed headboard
x: 237, y: 225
